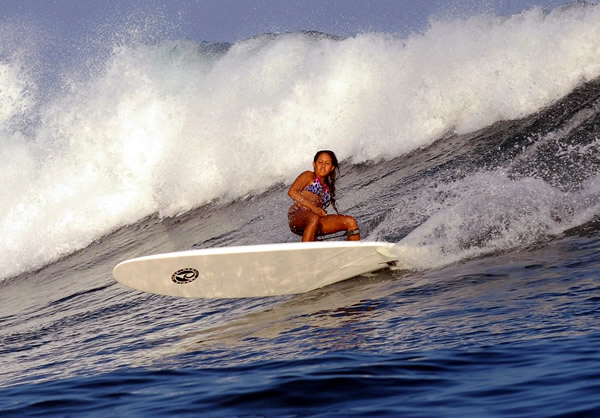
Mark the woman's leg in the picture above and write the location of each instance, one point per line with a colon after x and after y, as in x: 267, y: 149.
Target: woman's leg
x: 304, y: 222
x: 310, y: 230
x: 331, y: 224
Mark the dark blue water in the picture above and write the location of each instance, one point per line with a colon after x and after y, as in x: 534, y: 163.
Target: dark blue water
x: 536, y: 378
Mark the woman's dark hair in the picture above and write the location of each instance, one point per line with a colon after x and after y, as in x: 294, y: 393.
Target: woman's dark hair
x: 332, y: 177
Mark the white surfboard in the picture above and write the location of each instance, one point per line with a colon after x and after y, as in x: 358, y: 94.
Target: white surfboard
x: 255, y: 270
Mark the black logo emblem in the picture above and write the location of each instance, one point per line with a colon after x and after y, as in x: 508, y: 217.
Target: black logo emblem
x: 185, y: 276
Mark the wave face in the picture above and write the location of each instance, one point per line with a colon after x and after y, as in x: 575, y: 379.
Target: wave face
x: 167, y: 126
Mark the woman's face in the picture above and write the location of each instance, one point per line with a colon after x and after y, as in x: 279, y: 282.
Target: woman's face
x: 324, y: 165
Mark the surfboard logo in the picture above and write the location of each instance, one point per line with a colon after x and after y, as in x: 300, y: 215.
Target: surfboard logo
x: 185, y: 276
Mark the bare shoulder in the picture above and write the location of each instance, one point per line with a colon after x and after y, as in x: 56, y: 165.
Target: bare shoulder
x: 308, y: 175
x: 302, y: 181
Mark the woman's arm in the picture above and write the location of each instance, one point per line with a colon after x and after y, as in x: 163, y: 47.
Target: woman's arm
x: 295, y: 192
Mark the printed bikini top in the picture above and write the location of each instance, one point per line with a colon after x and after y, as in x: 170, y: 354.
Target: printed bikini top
x: 320, y: 190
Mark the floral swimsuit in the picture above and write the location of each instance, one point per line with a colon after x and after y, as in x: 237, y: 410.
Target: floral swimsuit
x: 320, y: 190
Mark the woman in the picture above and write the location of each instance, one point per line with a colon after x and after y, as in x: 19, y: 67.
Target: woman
x: 312, y: 192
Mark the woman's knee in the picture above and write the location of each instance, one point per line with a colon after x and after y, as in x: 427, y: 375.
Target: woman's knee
x: 350, y: 222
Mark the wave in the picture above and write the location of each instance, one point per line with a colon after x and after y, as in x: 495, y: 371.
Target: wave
x: 169, y: 125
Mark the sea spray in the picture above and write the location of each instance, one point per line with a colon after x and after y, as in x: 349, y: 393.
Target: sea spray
x: 488, y: 213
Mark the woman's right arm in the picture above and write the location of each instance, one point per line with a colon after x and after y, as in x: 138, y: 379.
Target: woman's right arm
x: 295, y: 192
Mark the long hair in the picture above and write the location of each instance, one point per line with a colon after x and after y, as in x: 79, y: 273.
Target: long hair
x: 331, y: 177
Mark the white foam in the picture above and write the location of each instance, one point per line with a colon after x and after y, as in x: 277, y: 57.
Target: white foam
x: 485, y: 213
x: 164, y: 127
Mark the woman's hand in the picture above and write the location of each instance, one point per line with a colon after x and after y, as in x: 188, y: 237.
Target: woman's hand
x: 319, y: 211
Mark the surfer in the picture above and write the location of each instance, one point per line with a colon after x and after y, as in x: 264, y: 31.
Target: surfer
x: 312, y: 192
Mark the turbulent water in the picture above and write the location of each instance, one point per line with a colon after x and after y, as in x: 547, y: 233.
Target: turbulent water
x: 475, y: 144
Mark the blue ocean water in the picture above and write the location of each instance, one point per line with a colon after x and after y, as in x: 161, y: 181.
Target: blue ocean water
x: 515, y: 334
x: 479, y: 154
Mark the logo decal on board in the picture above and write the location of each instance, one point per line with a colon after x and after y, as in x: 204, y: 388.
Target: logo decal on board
x: 185, y: 276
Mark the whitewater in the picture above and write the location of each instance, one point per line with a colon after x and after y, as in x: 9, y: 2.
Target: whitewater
x: 166, y: 127
x: 475, y: 143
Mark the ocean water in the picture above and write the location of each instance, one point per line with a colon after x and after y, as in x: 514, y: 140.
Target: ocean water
x: 475, y: 143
